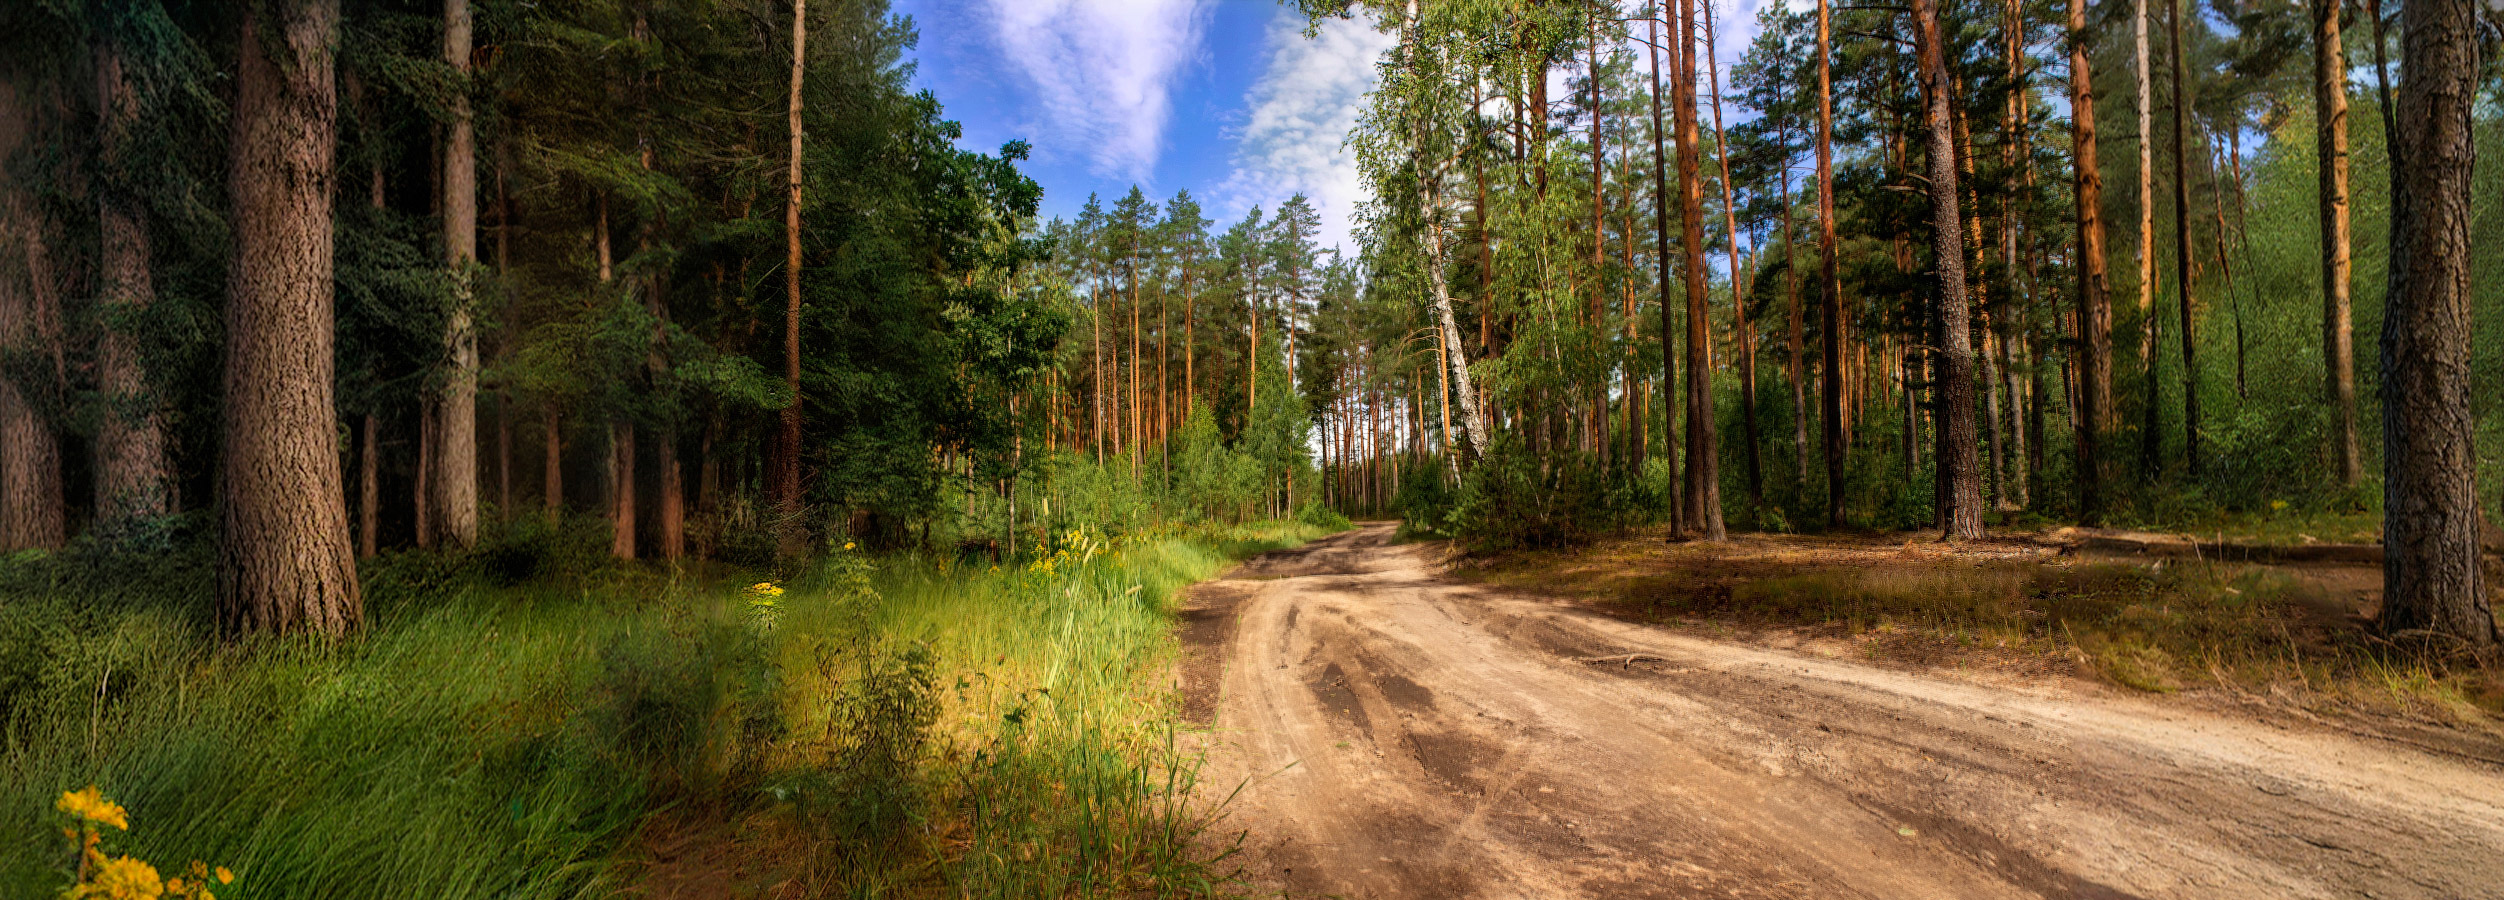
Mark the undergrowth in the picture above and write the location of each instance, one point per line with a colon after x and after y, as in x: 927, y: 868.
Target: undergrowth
x: 514, y: 721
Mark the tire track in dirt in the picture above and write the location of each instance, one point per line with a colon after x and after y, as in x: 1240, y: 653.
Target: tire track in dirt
x: 1397, y: 734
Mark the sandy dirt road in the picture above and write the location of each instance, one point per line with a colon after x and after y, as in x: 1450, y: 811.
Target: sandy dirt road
x: 1398, y: 734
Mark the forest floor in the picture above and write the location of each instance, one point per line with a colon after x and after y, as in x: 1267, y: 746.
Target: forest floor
x: 1827, y: 717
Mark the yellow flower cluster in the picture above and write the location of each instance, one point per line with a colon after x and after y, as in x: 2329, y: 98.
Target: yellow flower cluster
x: 1076, y: 548
x: 90, y: 805
x: 103, y: 877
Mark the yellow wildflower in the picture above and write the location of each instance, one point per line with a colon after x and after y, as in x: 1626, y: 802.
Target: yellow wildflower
x: 225, y: 876
x: 847, y: 545
x: 90, y: 805
x: 123, y: 878
x: 2277, y: 504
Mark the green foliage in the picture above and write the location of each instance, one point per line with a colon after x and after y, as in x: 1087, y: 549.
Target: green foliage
x: 489, y: 740
x: 1211, y: 480
x: 1514, y: 499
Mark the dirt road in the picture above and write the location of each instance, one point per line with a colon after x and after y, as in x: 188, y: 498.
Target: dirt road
x: 1397, y: 734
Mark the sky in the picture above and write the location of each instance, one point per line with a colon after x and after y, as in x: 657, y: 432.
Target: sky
x: 1226, y: 98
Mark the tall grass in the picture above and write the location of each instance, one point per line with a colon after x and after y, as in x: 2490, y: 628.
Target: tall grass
x: 934, y: 723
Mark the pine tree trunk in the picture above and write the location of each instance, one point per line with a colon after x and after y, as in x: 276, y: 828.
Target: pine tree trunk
x: 2431, y: 576
x: 421, y: 504
x: 1796, y: 336
x: 1703, y: 445
x: 369, y: 497
x: 1190, y: 341
x: 284, y: 557
x: 453, y: 483
x: 1958, y: 462
x: 2182, y: 245
x: 793, y: 536
x: 1829, y: 282
x: 30, y: 451
x: 134, y: 478
x: 622, y: 490
x: 2095, y: 307
x: 1137, y: 410
x: 671, y: 519
x: 1678, y: 521
x: 2338, y: 334
x: 1989, y: 361
x: 2151, y: 431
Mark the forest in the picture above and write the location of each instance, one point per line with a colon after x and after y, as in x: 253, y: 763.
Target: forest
x: 502, y: 448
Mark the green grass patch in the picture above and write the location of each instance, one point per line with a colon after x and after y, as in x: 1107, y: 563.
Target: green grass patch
x: 516, y: 721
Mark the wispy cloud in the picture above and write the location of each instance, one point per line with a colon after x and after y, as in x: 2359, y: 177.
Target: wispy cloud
x: 1101, y: 71
x: 1297, y: 120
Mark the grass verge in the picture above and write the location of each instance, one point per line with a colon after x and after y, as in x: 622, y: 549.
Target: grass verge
x: 2291, y: 636
x: 525, y: 722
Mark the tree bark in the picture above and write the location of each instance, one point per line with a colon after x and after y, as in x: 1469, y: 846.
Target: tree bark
x: 1797, y: 338
x: 133, y: 475
x: 284, y: 562
x: 1703, y: 445
x: 30, y: 450
x: 1430, y: 182
x: 2150, y: 432
x: 2182, y: 245
x: 622, y: 490
x: 369, y: 505
x: 787, y: 499
x: 2095, y: 307
x: 453, y: 484
x: 2430, y: 571
x: 1678, y: 520
x: 1958, y: 456
x: 2338, y: 333
x: 1829, y: 282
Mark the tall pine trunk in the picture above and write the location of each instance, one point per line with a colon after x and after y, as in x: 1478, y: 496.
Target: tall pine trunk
x: 30, y: 450
x: 2150, y: 432
x: 134, y: 476
x: 2182, y: 244
x: 2338, y: 333
x: 2430, y: 570
x: 1703, y: 446
x: 787, y: 488
x: 2095, y: 307
x: 369, y: 495
x: 1678, y: 521
x: 622, y: 489
x: 452, y: 486
x: 284, y: 562
x: 1958, y: 462
x: 1829, y: 282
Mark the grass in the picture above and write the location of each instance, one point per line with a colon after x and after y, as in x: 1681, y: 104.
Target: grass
x: 2290, y: 635
x: 525, y: 722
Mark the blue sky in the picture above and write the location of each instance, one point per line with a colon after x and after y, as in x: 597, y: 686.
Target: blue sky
x: 1227, y: 98
x: 1224, y: 97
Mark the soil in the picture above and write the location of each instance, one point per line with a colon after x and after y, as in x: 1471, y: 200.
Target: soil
x: 1389, y: 731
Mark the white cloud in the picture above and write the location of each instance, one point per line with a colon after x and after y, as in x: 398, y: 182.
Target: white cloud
x: 1297, y: 120
x: 1102, y: 72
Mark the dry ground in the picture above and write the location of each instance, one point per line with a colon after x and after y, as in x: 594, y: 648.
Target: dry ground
x: 1399, y: 732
